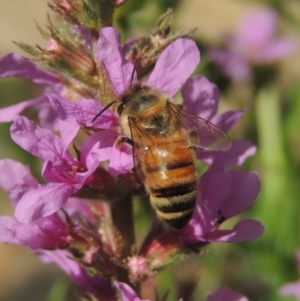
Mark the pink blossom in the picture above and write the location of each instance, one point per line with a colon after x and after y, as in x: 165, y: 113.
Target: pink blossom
x: 172, y: 69
x: 47, y: 232
x: 254, y: 44
x: 201, y: 97
x: 236, y: 190
x: 293, y: 288
x: 65, y: 174
x: 14, y: 65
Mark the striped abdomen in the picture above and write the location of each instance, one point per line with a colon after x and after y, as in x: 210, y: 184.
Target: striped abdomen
x: 170, y: 178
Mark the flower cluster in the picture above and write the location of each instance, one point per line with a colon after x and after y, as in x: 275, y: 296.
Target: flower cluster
x: 254, y: 44
x: 70, y: 219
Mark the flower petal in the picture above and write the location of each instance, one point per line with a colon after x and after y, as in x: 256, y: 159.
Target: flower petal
x: 7, y: 230
x: 7, y: 114
x: 127, y: 293
x: 99, y: 144
x: 226, y: 294
x: 14, y: 65
x: 291, y: 289
x: 226, y: 121
x: 243, y: 231
x: 201, y: 97
x: 38, y: 141
x: 43, y: 201
x: 16, y: 179
x: 121, y: 160
x: 277, y: 50
x: 244, y: 188
x: 174, y: 66
x: 68, y: 132
x: 99, y: 286
x: 110, y: 55
x: 231, y: 64
x: 240, y: 150
x: 83, y: 112
x: 257, y: 28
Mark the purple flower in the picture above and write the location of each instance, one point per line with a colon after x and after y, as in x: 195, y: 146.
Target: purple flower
x: 65, y: 174
x: 254, y: 44
x: 293, y: 288
x: 14, y: 65
x: 236, y: 190
x: 201, y: 97
x: 48, y: 233
x: 79, y: 236
x: 172, y: 69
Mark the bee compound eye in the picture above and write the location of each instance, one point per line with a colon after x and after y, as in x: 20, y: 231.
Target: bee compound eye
x: 121, y: 108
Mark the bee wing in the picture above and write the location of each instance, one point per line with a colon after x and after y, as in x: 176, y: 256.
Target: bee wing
x: 202, y: 133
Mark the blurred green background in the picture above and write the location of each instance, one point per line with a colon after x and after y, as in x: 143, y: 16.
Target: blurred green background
x: 257, y: 269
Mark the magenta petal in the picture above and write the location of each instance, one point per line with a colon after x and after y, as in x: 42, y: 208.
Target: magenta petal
x: 48, y: 117
x: 68, y: 132
x: 121, y: 160
x: 257, y: 28
x: 7, y: 114
x: 277, y: 50
x: 201, y: 97
x: 244, y: 188
x: 7, y: 230
x: 38, y: 141
x: 240, y: 150
x: 83, y: 112
x: 226, y: 121
x: 100, y: 145
x: 43, y: 201
x: 16, y: 179
x: 14, y: 65
x: 232, y: 64
x: 291, y: 289
x: 98, y: 286
x: 41, y: 236
x: 127, y: 293
x: 243, y: 231
x: 226, y: 294
x: 30, y: 235
x: 174, y: 66
x: 109, y: 53
x: 206, y: 213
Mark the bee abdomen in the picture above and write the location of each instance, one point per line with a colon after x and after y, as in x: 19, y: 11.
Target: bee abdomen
x: 175, y: 205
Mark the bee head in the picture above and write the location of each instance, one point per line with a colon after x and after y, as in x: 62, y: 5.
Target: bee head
x: 140, y: 100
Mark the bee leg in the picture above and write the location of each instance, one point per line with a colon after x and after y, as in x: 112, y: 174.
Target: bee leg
x: 136, y: 181
x: 193, y: 139
x: 120, y: 140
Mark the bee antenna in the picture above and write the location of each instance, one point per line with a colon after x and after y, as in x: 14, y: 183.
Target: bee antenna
x: 103, y: 110
x: 133, y: 70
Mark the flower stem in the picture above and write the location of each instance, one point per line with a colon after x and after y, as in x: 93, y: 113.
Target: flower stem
x: 123, y: 232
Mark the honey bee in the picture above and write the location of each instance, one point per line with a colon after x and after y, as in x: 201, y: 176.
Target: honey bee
x: 164, y: 137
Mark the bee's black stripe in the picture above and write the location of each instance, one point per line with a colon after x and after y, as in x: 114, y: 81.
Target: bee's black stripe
x: 169, y: 166
x: 177, y: 203
x: 174, y: 190
x: 180, y: 221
